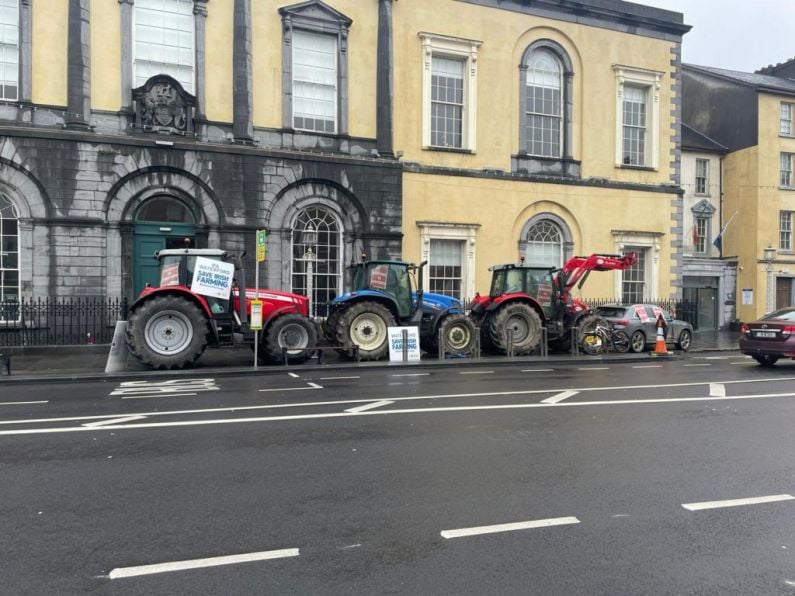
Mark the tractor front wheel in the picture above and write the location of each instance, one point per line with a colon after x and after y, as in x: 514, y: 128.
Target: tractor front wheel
x: 292, y: 332
x: 519, y: 322
x: 167, y: 332
x: 366, y: 325
x: 458, y: 333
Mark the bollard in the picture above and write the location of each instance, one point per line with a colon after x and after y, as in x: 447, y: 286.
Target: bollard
x: 5, y: 364
x: 117, y: 357
x: 405, y: 335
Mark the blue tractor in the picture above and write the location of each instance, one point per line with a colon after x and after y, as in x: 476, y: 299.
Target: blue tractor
x: 382, y: 296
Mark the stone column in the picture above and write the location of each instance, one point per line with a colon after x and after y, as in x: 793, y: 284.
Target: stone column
x: 384, y: 87
x: 78, y: 110
x: 25, y: 52
x: 126, y: 55
x: 200, y: 10
x: 242, y: 126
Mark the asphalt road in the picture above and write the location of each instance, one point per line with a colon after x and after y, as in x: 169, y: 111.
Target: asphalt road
x: 671, y: 477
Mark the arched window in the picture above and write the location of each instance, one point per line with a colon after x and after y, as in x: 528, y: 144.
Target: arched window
x: 164, y: 208
x: 9, y: 259
x: 544, y: 244
x: 317, y: 257
x: 544, y: 106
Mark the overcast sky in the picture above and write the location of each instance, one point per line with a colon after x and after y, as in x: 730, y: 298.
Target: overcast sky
x: 740, y: 35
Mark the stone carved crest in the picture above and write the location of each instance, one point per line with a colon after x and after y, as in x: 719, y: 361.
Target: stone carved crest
x: 162, y: 105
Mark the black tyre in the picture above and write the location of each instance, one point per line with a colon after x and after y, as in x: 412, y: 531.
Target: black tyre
x: 765, y: 359
x: 592, y: 334
x: 294, y: 332
x: 621, y: 342
x: 366, y: 325
x: 459, y: 333
x: 520, y: 320
x: 330, y: 325
x: 167, y: 332
x: 637, y: 342
x: 685, y: 340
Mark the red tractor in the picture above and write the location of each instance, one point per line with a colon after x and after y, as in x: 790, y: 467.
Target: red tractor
x: 523, y: 298
x: 199, y: 302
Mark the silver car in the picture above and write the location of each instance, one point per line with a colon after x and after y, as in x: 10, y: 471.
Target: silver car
x: 639, y: 322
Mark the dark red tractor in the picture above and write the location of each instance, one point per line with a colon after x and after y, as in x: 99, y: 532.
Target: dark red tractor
x: 524, y: 299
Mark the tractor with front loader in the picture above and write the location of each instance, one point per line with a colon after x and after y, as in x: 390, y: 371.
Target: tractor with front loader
x: 384, y: 296
x: 523, y: 299
x: 202, y: 301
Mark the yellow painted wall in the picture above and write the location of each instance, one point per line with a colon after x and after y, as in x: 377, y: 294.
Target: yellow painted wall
x: 505, y: 35
x: 218, y: 92
x: 105, y: 55
x: 49, y: 52
x: 503, y: 207
x: 362, y: 46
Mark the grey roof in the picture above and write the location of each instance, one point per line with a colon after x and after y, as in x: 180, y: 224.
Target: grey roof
x: 759, y: 81
x: 698, y: 141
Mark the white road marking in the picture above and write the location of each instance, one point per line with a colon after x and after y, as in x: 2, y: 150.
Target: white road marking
x: 293, y: 375
x: 311, y: 386
x: 703, y: 364
x: 99, y: 423
x: 559, y: 397
x: 337, y: 378
x: 376, y: 404
x: 412, y: 375
x: 315, y: 385
x: 736, y: 502
x: 477, y: 372
x: 648, y: 366
x: 717, y: 390
x: 745, y: 363
x: 538, y: 370
x: 200, y: 563
x: 595, y: 368
x: 164, y: 387
x: 539, y: 523
x: 151, y: 395
x: 21, y: 403
x: 673, y: 400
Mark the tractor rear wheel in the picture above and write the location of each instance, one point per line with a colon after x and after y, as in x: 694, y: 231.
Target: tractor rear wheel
x: 294, y: 332
x: 459, y: 333
x: 167, y: 332
x: 366, y: 325
x: 523, y: 324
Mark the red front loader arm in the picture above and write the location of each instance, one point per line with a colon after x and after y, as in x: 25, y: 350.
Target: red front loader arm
x: 576, y: 269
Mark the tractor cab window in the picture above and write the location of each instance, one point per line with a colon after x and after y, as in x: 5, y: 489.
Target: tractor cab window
x: 170, y: 275
x: 390, y: 278
x: 497, y: 283
x: 514, y: 281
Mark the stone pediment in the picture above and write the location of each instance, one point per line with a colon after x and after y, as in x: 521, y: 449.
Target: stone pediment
x: 162, y: 105
x: 704, y: 208
x: 314, y: 10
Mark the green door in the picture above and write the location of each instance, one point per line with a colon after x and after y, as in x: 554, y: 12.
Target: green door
x: 150, y: 238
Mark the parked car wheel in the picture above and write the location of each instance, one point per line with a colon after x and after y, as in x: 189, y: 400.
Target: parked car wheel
x: 684, y: 341
x: 637, y: 342
x: 765, y: 359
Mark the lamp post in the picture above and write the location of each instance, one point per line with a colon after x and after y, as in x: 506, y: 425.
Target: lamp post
x: 770, y: 254
x: 310, y: 240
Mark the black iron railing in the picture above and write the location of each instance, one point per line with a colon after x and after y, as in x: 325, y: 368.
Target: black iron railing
x: 60, y: 321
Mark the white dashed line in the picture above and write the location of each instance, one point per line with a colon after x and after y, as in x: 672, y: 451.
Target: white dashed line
x: 538, y: 370
x: 698, y: 364
x: 717, y: 390
x: 107, y: 421
x: 648, y: 366
x: 559, y: 397
x: 200, y: 563
x: 293, y: 375
x: 477, y: 372
x: 371, y: 406
x: 21, y: 403
x: 595, y: 368
x: 736, y: 502
x: 412, y: 375
x: 337, y: 378
x: 539, y: 523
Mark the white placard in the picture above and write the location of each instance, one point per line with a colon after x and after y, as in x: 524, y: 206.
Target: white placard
x: 396, y: 344
x: 748, y: 296
x: 212, y: 278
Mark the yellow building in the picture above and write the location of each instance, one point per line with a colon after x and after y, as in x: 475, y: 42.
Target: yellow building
x: 539, y: 130
x: 752, y: 115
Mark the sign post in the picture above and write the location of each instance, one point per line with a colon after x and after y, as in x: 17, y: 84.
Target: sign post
x: 256, y: 304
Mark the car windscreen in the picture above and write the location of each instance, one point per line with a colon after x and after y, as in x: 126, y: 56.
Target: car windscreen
x: 613, y: 312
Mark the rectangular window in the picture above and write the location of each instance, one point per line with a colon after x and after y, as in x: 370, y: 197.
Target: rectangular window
x: 785, y: 230
x: 447, y: 102
x: 702, y: 176
x: 785, y: 176
x: 164, y: 41
x: 701, y: 234
x: 314, y: 82
x: 543, y: 110
x: 445, y: 272
x: 785, y: 122
x: 9, y: 49
x: 9, y: 264
x: 635, y: 125
x: 633, y: 280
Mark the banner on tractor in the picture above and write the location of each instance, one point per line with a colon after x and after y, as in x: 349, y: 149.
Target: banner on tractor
x: 212, y: 278
x: 396, y: 344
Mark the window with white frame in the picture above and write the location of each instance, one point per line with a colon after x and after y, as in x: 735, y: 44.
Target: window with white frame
x: 9, y: 49
x: 544, y: 104
x: 785, y: 230
x: 637, y: 116
x: 701, y: 234
x: 314, y: 81
x: 633, y: 280
x: 446, y: 267
x: 449, y: 92
x: 702, y: 176
x: 317, y: 257
x: 9, y: 259
x: 785, y: 119
x: 164, y: 41
x: 785, y: 170
x: 543, y: 244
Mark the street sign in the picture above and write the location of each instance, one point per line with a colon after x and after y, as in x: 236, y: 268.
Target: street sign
x: 262, y: 236
x: 256, y: 315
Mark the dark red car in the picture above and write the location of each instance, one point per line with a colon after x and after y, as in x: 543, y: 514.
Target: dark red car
x: 771, y: 337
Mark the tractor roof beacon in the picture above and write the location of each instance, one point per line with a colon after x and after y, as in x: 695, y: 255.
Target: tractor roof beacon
x: 169, y: 326
x: 382, y: 296
x: 524, y: 298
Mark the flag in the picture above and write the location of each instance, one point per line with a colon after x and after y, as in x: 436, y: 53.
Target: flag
x: 718, y: 242
x: 694, y: 234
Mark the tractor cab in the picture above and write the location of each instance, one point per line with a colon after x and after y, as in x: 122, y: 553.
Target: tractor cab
x: 390, y: 278
x: 517, y: 278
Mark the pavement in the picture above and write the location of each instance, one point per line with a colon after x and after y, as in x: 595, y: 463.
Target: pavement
x: 88, y: 362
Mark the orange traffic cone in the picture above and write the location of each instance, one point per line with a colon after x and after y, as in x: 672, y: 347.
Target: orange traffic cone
x: 659, y: 347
